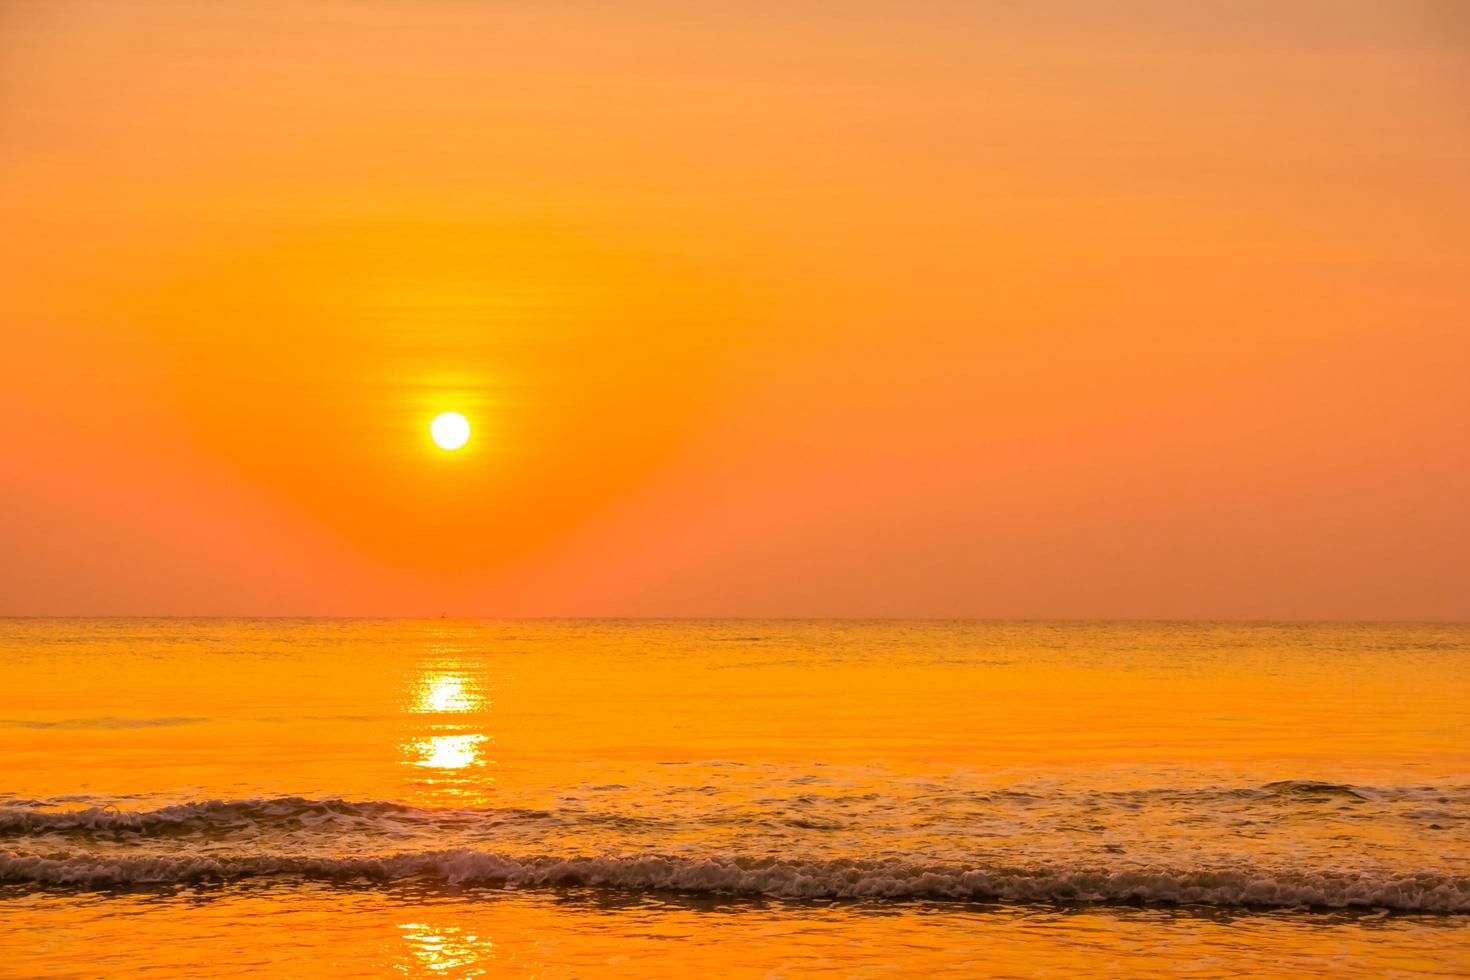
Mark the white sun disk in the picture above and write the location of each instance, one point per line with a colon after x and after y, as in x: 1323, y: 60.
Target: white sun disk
x: 450, y: 430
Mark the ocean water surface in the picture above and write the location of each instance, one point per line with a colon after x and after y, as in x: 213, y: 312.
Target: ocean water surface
x: 457, y: 798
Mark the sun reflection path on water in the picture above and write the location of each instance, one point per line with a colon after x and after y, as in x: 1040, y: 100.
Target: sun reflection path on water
x: 447, y: 692
x: 448, y: 747
x: 449, y: 751
x: 441, y: 949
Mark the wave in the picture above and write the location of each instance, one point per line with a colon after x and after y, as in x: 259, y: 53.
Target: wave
x: 109, y: 722
x: 299, y: 815
x: 207, y: 815
x: 33, y: 816
x: 245, y: 816
x: 1316, y: 789
x: 45, y: 845
x: 768, y: 878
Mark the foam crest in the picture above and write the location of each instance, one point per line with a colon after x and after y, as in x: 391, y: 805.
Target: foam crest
x: 731, y: 876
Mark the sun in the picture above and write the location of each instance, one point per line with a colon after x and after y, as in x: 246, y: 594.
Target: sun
x: 450, y: 430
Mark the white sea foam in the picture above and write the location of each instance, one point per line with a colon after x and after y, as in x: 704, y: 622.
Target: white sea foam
x: 837, y: 879
x: 830, y: 853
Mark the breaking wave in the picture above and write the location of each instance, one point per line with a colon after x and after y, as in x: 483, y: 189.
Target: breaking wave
x: 207, y: 815
x: 43, y: 845
x: 39, y: 817
x: 245, y: 817
x: 837, y: 879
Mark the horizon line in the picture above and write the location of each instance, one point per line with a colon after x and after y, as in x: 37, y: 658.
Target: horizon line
x: 1243, y: 621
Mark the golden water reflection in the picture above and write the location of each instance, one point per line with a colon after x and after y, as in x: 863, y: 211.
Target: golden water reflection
x: 441, y: 949
x: 449, y: 751
x: 445, y: 741
x: 447, y: 691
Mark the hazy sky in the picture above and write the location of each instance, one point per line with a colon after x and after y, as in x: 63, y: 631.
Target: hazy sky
x: 1091, y: 309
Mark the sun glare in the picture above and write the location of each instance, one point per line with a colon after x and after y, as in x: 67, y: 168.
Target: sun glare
x: 446, y: 693
x: 449, y: 751
x: 450, y: 430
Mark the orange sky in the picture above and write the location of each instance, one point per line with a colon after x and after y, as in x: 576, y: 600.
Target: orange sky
x: 1080, y: 309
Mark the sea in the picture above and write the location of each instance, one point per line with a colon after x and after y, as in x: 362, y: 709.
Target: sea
x: 447, y: 798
